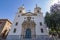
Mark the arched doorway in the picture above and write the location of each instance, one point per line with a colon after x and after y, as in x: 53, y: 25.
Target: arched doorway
x: 28, y: 33
x: 28, y: 29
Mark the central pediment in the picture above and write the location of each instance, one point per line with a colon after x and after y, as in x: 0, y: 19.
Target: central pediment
x: 29, y: 14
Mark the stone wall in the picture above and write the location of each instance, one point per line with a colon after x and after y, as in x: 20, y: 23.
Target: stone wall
x: 16, y: 37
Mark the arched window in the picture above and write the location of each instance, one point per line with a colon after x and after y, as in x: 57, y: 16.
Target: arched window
x: 38, y: 11
x: 20, y: 11
x: 40, y: 23
x: 28, y: 33
x: 16, y: 23
x: 18, y: 15
x: 42, y: 30
x: 14, y: 30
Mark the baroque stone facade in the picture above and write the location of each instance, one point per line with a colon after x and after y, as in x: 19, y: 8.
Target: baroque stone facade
x: 28, y: 26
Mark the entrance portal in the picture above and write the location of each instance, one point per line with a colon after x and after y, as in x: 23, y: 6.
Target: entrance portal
x: 28, y: 33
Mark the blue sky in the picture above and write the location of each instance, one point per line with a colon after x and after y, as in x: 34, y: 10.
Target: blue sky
x: 8, y: 8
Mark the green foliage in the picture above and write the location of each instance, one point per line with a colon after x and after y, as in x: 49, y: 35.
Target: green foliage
x: 47, y: 19
x: 53, y: 21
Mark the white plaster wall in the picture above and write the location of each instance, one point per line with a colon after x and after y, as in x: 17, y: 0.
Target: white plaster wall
x: 18, y: 27
x: 37, y: 19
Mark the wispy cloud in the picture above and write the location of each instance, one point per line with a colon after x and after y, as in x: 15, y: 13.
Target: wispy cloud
x: 51, y: 2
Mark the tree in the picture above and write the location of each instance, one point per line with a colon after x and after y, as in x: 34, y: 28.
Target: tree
x: 53, y: 21
x: 47, y: 19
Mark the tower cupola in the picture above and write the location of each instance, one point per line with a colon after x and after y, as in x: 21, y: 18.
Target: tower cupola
x: 21, y: 9
x: 37, y: 9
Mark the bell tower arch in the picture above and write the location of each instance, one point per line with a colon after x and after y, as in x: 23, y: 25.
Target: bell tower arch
x: 37, y: 9
x: 21, y: 9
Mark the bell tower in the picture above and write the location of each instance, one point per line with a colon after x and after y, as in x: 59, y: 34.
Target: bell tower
x: 21, y: 9
x: 37, y: 9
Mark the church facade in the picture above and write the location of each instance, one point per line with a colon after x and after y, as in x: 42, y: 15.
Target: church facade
x: 28, y: 26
